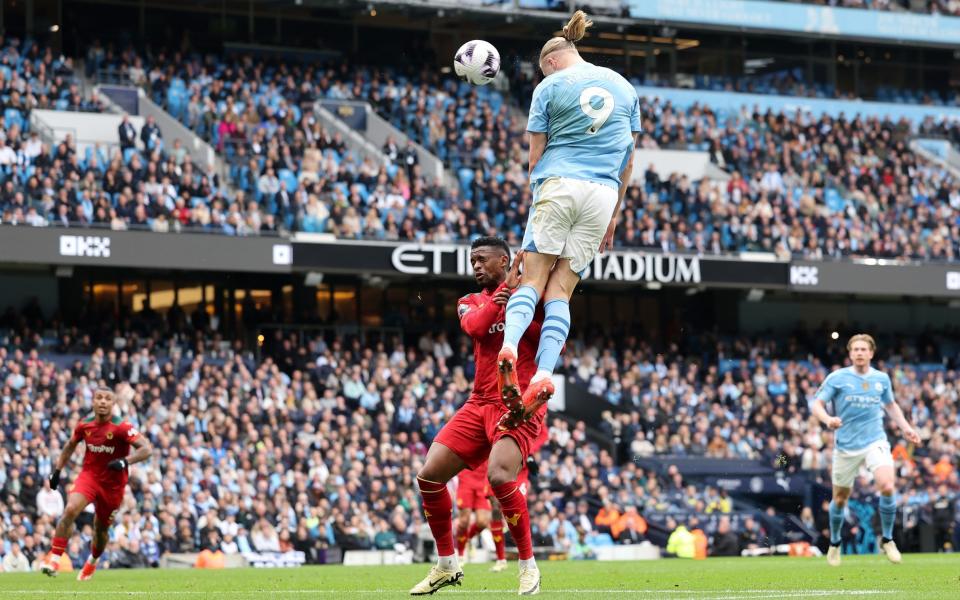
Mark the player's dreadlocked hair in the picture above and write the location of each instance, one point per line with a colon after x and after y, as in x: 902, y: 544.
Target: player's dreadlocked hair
x: 491, y: 242
x: 573, y: 32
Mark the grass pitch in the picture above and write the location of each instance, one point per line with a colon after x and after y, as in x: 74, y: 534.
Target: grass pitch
x: 865, y: 577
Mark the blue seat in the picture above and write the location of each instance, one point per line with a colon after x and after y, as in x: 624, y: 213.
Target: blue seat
x: 288, y: 177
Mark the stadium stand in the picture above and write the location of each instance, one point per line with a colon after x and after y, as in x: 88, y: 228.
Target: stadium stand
x: 315, y: 447
x: 848, y: 187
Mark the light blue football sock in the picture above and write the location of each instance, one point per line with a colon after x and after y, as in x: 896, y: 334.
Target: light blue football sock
x: 836, y: 523
x: 553, y: 335
x: 520, y: 310
x: 888, y: 514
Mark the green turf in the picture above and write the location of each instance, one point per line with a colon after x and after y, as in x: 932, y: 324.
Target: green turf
x: 921, y: 576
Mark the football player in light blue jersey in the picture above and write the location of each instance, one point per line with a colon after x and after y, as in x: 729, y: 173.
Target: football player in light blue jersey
x: 583, y: 128
x: 859, y: 395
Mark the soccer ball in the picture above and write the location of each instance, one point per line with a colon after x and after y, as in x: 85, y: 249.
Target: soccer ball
x: 477, y: 62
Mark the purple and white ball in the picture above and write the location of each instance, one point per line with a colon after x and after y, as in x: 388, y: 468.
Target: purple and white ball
x: 477, y: 62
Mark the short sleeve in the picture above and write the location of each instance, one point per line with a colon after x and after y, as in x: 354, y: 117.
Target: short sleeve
x: 130, y: 433
x: 77, y: 434
x: 539, y: 120
x: 635, y: 124
x: 827, y: 391
x: 887, y: 396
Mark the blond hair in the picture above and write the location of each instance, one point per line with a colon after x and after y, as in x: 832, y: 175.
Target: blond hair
x: 862, y: 337
x: 573, y: 32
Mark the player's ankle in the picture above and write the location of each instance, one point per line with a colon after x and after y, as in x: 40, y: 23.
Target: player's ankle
x: 448, y: 563
x: 527, y: 563
x: 540, y: 375
x: 885, y: 540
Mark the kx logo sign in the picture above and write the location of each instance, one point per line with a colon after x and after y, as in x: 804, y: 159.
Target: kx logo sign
x: 90, y: 246
x: 804, y: 275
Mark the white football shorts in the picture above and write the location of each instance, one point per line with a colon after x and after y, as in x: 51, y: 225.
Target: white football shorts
x: 846, y: 465
x: 569, y: 218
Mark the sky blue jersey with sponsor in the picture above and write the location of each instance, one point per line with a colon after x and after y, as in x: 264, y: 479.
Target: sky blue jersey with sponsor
x: 859, y: 400
x: 589, y: 114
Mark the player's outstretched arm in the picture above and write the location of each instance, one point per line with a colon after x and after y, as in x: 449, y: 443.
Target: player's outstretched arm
x: 62, y: 461
x: 909, y: 433
x: 819, y: 410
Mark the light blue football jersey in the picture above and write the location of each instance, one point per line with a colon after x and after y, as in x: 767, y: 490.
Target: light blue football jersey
x: 859, y: 400
x: 589, y: 114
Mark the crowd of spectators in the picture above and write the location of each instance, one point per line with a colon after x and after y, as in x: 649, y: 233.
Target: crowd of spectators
x: 936, y: 7
x: 800, y: 185
x: 315, y: 446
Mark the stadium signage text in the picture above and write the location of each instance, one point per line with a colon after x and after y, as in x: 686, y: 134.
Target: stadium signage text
x: 804, y: 275
x: 91, y: 246
x: 660, y: 268
x: 452, y: 261
x: 144, y: 250
x: 416, y: 259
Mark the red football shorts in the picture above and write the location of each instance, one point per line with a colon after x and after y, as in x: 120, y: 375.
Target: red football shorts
x: 105, y: 501
x: 472, y: 432
x: 474, y: 497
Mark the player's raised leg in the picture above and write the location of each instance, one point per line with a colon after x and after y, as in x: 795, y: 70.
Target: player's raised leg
x: 884, y: 478
x: 76, y: 502
x: 553, y: 335
x: 101, y: 535
x: 441, y: 466
x: 505, y: 461
x: 519, y: 314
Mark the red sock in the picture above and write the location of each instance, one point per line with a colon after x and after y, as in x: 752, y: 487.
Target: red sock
x: 95, y: 552
x: 513, y: 505
x: 474, y: 531
x: 496, y: 528
x: 58, y: 547
x: 438, y: 510
x: 461, y: 538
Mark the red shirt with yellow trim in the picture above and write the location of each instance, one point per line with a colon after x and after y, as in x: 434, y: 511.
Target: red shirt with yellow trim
x: 105, y: 442
x: 483, y: 320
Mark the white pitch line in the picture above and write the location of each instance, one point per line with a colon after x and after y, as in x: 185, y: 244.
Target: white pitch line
x: 726, y: 593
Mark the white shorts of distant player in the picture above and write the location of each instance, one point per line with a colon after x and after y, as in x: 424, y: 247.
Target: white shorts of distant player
x: 846, y: 465
x: 569, y: 218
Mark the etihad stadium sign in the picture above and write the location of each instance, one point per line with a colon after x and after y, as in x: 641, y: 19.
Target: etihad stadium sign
x: 416, y: 259
x: 453, y: 261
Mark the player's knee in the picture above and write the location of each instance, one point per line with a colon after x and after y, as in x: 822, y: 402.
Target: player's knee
x: 498, y: 475
x: 427, y: 473
x: 886, y: 488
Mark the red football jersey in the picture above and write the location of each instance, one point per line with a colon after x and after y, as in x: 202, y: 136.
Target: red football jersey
x: 104, y: 443
x: 483, y: 320
x: 476, y: 478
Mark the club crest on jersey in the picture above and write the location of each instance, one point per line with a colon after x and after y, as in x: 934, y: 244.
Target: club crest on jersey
x: 87, y: 433
x: 109, y: 435
x: 866, y: 386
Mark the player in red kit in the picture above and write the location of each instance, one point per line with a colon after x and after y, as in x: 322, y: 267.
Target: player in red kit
x: 101, y: 481
x: 480, y: 431
x: 494, y: 519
